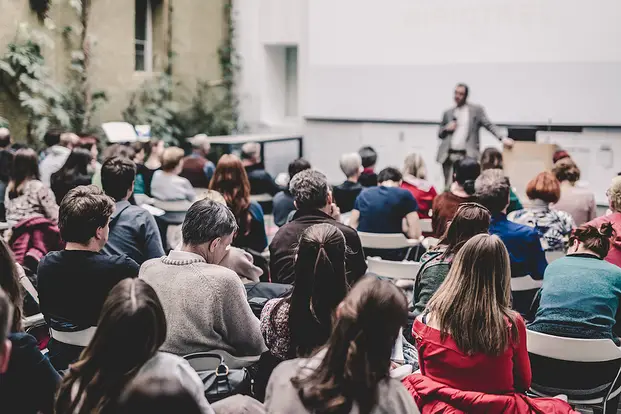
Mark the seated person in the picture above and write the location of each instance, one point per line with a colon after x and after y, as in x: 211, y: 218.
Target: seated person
x: 368, y: 178
x: 552, y: 225
x: 345, y: 194
x: 414, y: 180
x: 166, y: 184
x: 261, y: 182
x: 522, y: 242
x: 366, y: 325
x: 205, y: 304
x: 74, y: 282
x: 313, y: 199
x: 231, y: 181
x: 283, y: 201
x: 491, y: 159
x: 196, y: 167
x: 614, y: 201
x: 386, y: 208
x: 469, y: 339
x: 577, y: 201
x: 133, y: 230
x: 471, y: 219
x: 77, y: 170
x: 581, y: 292
x: 465, y: 171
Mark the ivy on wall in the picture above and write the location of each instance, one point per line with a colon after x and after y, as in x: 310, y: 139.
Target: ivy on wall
x: 229, y: 63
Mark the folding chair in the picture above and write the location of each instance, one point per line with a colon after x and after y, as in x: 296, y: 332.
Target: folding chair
x: 392, y: 269
x: 425, y: 226
x: 552, y: 256
x: 388, y: 241
x: 206, y: 363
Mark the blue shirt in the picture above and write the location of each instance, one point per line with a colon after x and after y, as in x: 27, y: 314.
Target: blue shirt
x: 382, y: 209
x: 522, y: 242
x: 134, y: 232
x: 283, y: 205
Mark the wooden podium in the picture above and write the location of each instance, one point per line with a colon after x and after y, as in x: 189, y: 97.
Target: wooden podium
x: 524, y: 161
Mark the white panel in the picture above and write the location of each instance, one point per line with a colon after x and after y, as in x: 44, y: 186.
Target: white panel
x: 280, y: 21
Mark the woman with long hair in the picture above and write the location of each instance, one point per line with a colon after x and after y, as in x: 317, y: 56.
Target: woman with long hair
x: 415, y: 181
x: 351, y: 373
x: 76, y: 171
x: 465, y: 172
x: 131, y: 329
x: 29, y: 372
x: 470, y: 219
x: 26, y: 196
x: 231, y: 180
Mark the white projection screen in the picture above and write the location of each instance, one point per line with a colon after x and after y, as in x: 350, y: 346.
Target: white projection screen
x: 528, y: 62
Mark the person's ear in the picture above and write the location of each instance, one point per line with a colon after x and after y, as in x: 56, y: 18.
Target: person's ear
x: 99, y: 233
x: 5, y: 356
x: 213, y: 245
x: 295, y: 204
x: 339, y: 310
x: 330, y: 198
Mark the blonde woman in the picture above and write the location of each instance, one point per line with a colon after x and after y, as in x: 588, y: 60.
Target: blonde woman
x: 414, y: 180
x: 469, y: 339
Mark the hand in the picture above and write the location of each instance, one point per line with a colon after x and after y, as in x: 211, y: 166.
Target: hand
x: 335, y: 212
x: 508, y: 142
x: 450, y: 127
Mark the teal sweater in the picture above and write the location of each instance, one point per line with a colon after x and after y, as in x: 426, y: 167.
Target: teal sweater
x: 579, y: 298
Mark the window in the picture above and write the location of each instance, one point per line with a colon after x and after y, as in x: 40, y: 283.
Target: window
x: 144, y: 36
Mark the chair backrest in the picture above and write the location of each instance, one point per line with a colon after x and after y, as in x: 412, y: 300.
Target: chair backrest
x: 519, y: 284
x: 385, y: 241
x: 430, y: 242
x: 393, y: 269
x: 552, y: 256
x: 425, y: 226
x: 173, y: 206
x: 572, y: 349
x: 261, y: 198
x: 199, y: 363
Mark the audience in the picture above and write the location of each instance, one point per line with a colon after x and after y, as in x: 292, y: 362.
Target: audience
x: 313, y: 200
x: 231, y: 181
x: 472, y: 346
x: 6, y: 165
x: 581, y: 292
x: 197, y: 169
x: 283, y: 201
x: 27, y: 371
x: 345, y: 194
x: 144, y: 175
x: 414, y: 180
x: 351, y: 373
x: 298, y: 324
x: 527, y: 257
x: 261, y: 182
x: 57, y: 155
x: 73, y: 173
x: 157, y: 395
x: 26, y: 196
x: 222, y: 319
x: 368, y: 178
x: 386, y: 208
x: 133, y: 230
x: 491, y: 159
x: 465, y: 171
x: 576, y: 201
x: 154, y: 153
x: 74, y: 283
x: 166, y: 184
x: 471, y: 219
x: 125, y: 346
x: 614, y: 201
x: 553, y: 226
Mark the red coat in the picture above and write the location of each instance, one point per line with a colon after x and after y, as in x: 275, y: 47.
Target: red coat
x: 423, y: 192
x: 433, y: 397
x: 33, y: 238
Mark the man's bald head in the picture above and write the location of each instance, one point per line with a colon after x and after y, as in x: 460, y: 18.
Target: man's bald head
x: 5, y: 137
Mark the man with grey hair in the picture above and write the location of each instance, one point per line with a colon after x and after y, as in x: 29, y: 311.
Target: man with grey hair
x: 313, y: 200
x: 205, y: 303
x: 197, y: 169
x: 527, y: 257
x: 345, y: 194
x: 261, y: 182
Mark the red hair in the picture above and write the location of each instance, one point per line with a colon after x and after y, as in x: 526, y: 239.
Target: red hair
x: 230, y: 180
x: 544, y: 187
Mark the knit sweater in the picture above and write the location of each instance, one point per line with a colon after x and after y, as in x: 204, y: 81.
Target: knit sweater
x: 205, y: 305
x: 431, y: 275
x: 579, y: 298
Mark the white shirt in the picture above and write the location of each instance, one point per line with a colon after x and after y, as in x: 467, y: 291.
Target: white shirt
x: 460, y: 135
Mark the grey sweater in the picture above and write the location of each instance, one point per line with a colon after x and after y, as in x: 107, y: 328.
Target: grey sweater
x: 205, y: 305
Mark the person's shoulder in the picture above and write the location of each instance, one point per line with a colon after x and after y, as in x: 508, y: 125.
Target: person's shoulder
x: 255, y: 208
x: 120, y: 261
x: 22, y: 340
x: 395, y: 398
x: 50, y: 259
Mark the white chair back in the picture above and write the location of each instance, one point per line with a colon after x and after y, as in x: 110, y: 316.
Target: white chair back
x: 425, y: 225
x: 552, y: 256
x: 519, y: 284
x: 172, y: 206
x: 572, y: 349
x: 393, y: 269
x: 430, y: 242
x: 261, y: 198
x: 386, y: 241
x: 233, y: 362
x: 77, y: 338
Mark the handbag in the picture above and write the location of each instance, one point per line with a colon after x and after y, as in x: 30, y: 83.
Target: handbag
x: 222, y: 381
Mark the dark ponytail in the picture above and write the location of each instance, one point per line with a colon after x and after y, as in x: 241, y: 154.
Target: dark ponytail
x: 465, y: 172
x: 598, y: 241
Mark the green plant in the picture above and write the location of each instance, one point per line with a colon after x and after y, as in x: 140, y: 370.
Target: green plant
x: 4, y: 123
x: 209, y: 113
x: 229, y: 63
x: 27, y: 80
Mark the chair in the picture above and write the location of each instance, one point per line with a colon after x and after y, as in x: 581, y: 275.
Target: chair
x: 552, y: 256
x: 523, y: 283
x: 425, y: 226
x: 206, y: 363
x: 392, y: 269
x: 430, y: 242
x: 583, y: 352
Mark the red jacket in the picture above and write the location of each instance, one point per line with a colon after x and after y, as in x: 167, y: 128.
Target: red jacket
x: 433, y: 397
x: 32, y: 239
x: 614, y: 254
x: 423, y: 192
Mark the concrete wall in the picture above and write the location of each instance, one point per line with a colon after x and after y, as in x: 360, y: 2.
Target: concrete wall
x: 198, y: 28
